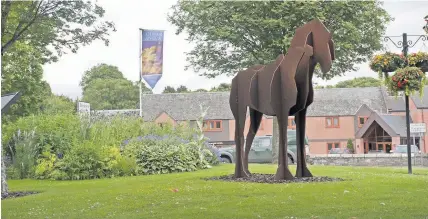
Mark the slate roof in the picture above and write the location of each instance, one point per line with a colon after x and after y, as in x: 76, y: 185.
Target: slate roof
x: 394, y: 125
x: 186, y: 106
x: 397, y: 104
x: 327, y: 102
x: 397, y: 123
x: 346, y: 101
x: 421, y: 103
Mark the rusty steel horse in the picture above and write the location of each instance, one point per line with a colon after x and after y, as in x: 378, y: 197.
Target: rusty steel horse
x: 281, y: 88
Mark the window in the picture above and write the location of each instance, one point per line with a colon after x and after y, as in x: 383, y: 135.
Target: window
x: 332, y: 122
x: 212, y: 125
x: 331, y: 145
x: 291, y: 123
x: 362, y: 120
x: 265, y: 142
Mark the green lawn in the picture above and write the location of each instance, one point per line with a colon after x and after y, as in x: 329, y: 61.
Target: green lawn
x: 367, y: 193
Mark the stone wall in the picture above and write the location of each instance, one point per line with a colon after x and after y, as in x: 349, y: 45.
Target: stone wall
x: 368, y: 160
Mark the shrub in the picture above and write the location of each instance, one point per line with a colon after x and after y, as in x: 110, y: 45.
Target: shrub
x: 84, y: 161
x: 24, y: 154
x: 164, y: 156
x: 350, y: 146
x: 45, y: 165
x: 113, y: 131
x: 58, y: 132
x: 54, y: 105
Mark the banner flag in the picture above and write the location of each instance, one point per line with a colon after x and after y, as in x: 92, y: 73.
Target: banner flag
x: 151, y: 56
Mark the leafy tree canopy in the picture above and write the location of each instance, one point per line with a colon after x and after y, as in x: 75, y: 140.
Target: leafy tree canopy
x: 233, y: 35
x: 200, y: 90
x: 359, y: 82
x: 100, y: 71
x: 223, y: 87
x: 59, y: 25
x: 169, y: 89
x: 58, y: 104
x: 356, y: 82
x: 22, y: 71
x: 111, y: 93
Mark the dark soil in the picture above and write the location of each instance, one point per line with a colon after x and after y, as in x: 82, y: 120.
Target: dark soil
x: 270, y: 178
x: 18, y: 194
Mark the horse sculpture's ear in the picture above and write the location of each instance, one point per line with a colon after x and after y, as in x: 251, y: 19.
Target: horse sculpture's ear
x: 331, y: 47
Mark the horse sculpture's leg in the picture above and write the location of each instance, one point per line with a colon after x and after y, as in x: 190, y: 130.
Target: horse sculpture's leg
x: 255, y: 118
x: 302, y: 170
x: 239, y: 141
x: 283, y: 172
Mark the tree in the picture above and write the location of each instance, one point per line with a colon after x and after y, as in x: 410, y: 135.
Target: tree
x: 107, y: 94
x: 22, y: 71
x: 359, y: 82
x: 182, y: 89
x: 233, y: 35
x: 169, y: 89
x: 58, y: 104
x: 200, y: 90
x: 144, y: 88
x: 100, y: 71
x: 223, y: 87
x: 61, y: 25
x: 350, y: 146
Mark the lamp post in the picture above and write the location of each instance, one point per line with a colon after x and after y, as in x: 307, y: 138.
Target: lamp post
x: 406, y: 44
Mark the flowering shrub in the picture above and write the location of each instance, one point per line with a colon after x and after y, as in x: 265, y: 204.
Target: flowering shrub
x: 387, y: 62
x: 408, y: 79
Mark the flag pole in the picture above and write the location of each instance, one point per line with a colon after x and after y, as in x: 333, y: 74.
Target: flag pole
x: 141, y: 78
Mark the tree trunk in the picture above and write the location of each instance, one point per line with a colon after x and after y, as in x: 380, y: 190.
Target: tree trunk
x: 275, y: 140
x: 4, y: 189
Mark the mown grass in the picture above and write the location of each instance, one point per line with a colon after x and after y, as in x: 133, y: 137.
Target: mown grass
x: 366, y: 193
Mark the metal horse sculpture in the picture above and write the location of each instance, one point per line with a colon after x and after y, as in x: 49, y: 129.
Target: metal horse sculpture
x: 281, y: 88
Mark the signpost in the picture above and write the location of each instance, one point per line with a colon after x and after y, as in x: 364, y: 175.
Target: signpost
x: 418, y: 128
x: 83, y: 108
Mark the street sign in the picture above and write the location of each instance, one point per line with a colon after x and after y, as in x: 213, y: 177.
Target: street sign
x: 417, y: 127
x: 83, y: 108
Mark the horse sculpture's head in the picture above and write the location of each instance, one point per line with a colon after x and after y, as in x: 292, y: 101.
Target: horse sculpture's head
x: 316, y: 34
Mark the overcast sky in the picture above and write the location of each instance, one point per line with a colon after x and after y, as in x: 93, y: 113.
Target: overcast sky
x: 130, y: 15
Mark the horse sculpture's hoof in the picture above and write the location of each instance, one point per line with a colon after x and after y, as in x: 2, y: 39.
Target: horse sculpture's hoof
x: 283, y: 173
x: 303, y: 172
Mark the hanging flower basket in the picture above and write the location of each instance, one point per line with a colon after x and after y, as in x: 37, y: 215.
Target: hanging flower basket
x: 387, y: 62
x: 420, y: 60
x: 408, y: 79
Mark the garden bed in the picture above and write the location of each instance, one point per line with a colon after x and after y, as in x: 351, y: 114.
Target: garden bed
x: 270, y: 178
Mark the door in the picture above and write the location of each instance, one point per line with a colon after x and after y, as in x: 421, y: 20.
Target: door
x: 261, y: 150
x: 380, y: 147
x: 388, y: 147
x: 383, y: 146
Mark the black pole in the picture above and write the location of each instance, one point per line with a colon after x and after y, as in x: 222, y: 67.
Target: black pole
x: 409, y: 154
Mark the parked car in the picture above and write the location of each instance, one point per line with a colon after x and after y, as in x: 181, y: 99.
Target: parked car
x: 402, y: 149
x: 339, y: 151
x: 261, y: 150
